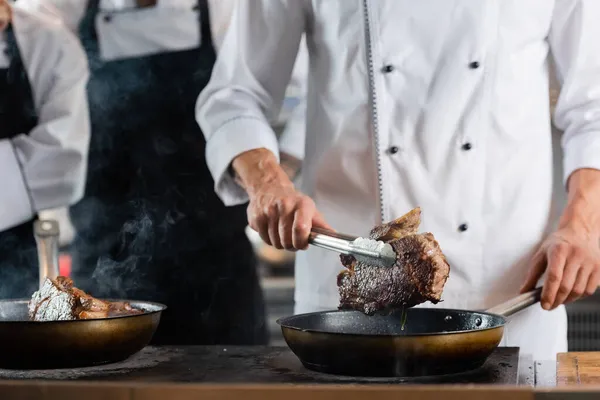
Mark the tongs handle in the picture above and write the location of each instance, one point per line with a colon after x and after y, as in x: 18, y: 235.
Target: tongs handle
x: 331, y: 240
x: 46, y: 234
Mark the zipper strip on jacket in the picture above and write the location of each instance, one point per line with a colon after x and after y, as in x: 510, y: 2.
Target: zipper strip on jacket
x: 373, y: 100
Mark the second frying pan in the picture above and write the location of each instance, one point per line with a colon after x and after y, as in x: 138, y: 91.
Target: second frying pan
x: 433, y: 341
x: 26, y: 344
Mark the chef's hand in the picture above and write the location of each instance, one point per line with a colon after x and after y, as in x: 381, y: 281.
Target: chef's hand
x: 571, y: 255
x: 571, y: 259
x: 277, y: 211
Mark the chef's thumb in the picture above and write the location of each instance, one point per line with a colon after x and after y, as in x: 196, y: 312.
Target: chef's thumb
x: 536, y: 270
x: 318, y: 221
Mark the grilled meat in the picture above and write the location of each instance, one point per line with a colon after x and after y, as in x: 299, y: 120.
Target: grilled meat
x: 59, y: 300
x: 419, y: 274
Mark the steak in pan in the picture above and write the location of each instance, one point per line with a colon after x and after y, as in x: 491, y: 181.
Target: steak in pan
x: 59, y: 300
x: 419, y: 274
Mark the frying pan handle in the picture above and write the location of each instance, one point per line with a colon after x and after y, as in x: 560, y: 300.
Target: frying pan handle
x: 46, y: 234
x: 517, y: 304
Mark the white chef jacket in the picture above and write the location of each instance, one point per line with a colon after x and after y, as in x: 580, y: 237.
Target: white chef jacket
x: 396, y: 88
x: 170, y: 26
x: 45, y: 168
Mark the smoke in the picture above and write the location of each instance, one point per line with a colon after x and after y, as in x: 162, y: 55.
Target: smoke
x: 120, y: 274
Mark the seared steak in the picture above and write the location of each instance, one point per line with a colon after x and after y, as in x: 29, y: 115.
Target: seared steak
x: 59, y: 300
x: 419, y: 274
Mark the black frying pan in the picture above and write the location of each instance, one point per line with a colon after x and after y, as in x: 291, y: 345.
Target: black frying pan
x: 28, y: 344
x: 434, y: 341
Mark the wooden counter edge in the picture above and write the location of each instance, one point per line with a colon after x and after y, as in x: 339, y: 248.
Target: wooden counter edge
x: 159, y: 391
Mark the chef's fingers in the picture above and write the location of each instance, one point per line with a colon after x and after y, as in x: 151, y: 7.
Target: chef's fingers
x: 287, y: 208
x: 574, y: 262
x: 557, y: 256
x: 259, y: 222
x: 536, y: 270
x: 583, y: 276
x: 319, y: 221
x: 565, y: 287
x: 593, y: 282
x: 272, y: 213
x: 303, y: 223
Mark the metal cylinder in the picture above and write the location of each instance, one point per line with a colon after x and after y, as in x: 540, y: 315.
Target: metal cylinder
x: 46, y: 236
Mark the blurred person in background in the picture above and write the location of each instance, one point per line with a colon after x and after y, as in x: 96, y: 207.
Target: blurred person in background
x: 150, y: 226
x: 442, y: 105
x: 44, y: 135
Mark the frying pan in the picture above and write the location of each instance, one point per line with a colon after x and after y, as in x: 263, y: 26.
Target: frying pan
x: 434, y: 341
x: 26, y: 344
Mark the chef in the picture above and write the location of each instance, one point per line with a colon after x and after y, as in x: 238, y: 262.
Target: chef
x: 151, y: 226
x: 442, y: 105
x: 44, y: 135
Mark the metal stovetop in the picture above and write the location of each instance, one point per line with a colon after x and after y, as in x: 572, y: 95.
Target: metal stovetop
x: 259, y: 364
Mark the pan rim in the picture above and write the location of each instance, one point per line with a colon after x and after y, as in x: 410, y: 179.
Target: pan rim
x: 281, y: 322
x: 159, y: 309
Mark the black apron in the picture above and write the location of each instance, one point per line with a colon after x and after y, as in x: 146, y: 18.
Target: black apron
x: 18, y: 255
x: 151, y: 226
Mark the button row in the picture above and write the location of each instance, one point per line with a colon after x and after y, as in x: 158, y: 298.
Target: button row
x: 395, y: 149
x: 386, y: 69
x: 466, y: 146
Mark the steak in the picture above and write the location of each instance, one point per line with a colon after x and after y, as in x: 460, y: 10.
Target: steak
x: 59, y: 300
x: 419, y: 274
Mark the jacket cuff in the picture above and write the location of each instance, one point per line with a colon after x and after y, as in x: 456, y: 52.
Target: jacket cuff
x: 15, y: 203
x: 292, y: 139
x: 233, y: 138
x: 291, y: 142
x: 581, y: 151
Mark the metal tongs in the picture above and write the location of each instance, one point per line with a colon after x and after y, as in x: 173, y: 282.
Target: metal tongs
x: 369, y: 251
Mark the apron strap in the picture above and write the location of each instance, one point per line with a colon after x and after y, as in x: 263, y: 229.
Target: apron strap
x: 23, y: 113
x: 203, y: 20
x: 204, y: 16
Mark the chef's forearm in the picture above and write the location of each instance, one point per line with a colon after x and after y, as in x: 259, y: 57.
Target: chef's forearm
x: 258, y: 168
x: 582, y: 211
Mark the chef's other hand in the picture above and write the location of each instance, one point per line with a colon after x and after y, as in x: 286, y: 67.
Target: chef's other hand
x: 277, y: 211
x: 571, y: 255
x: 572, y: 262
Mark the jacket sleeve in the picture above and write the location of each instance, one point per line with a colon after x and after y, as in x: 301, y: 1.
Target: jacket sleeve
x: 291, y: 140
x: 573, y: 41
x: 246, y: 89
x: 45, y: 168
x: 70, y: 12
x: 220, y: 12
